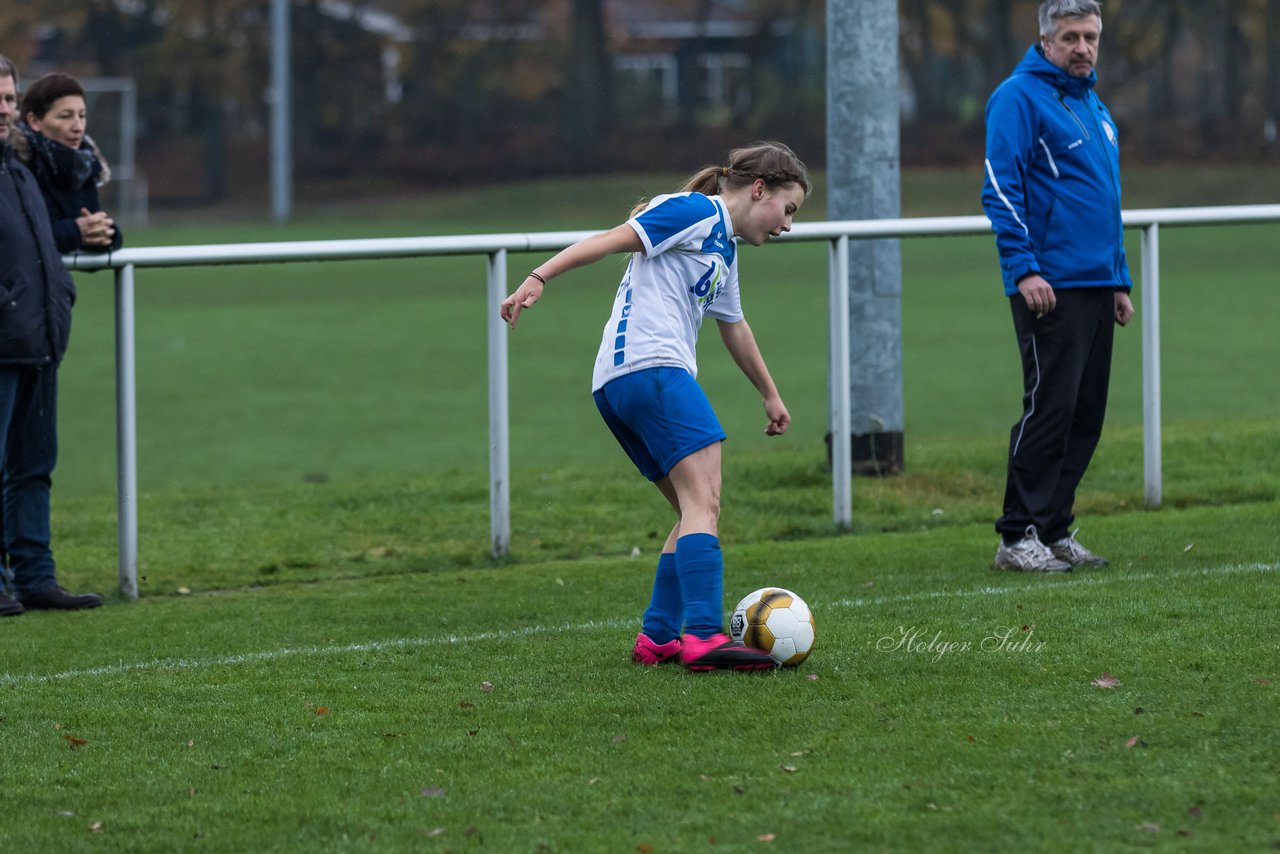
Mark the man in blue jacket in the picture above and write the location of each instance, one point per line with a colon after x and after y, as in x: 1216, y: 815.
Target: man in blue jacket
x: 1052, y: 193
x: 36, y: 295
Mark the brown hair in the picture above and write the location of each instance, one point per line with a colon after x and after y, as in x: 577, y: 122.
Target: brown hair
x: 42, y: 94
x: 771, y: 162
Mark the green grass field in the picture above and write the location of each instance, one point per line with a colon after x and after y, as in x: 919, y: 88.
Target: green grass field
x: 326, y: 657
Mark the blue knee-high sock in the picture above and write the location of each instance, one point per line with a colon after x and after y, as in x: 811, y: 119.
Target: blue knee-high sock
x: 701, y: 572
x: 663, y: 616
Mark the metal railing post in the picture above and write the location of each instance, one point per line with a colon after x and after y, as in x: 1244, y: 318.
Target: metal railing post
x: 126, y: 434
x: 1151, y: 438
x: 499, y: 411
x: 841, y: 415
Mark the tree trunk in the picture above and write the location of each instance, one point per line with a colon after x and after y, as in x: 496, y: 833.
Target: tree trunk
x: 590, y: 82
x: 1271, y: 109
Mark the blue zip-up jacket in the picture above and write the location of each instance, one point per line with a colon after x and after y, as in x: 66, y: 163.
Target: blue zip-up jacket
x: 1052, y: 190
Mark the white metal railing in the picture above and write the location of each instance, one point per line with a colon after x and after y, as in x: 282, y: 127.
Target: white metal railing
x: 496, y: 248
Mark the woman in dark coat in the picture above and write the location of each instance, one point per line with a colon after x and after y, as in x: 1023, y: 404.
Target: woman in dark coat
x: 67, y: 164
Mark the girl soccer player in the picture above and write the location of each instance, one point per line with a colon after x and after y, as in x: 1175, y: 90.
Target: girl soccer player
x: 684, y: 265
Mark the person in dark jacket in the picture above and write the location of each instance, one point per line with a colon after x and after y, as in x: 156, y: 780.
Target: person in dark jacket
x: 36, y: 296
x: 66, y: 162
x: 1052, y: 193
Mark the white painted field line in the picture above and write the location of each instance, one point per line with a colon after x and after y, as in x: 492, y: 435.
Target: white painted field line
x: 7, y: 680
x: 305, y: 651
x: 1066, y: 581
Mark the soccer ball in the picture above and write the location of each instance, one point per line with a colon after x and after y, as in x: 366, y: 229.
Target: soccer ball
x: 776, y: 621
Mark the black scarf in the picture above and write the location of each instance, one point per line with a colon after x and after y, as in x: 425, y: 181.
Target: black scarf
x: 60, y: 165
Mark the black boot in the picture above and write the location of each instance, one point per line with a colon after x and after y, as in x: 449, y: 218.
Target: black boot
x: 57, y: 599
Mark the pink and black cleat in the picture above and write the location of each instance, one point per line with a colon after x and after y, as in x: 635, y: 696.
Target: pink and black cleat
x: 718, y: 652
x: 648, y: 652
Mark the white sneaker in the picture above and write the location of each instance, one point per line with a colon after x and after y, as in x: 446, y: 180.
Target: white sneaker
x: 1028, y: 555
x: 1069, y: 550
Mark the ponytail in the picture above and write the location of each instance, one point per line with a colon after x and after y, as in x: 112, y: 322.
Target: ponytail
x: 707, y: 181
x: 771, y: 162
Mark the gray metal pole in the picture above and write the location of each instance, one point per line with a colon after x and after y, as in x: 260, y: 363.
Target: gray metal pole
x: 1152, y: 478
x: 126, y: 435
x: 499, y: 411
x: 281, y: 146
x: 864, y: 182
x: 840, y: 417
x: 129, y: 126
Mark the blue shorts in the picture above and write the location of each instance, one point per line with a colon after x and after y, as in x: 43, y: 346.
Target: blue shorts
x: 659, y: 416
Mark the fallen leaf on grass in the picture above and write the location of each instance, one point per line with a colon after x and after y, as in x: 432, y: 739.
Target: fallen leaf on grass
x: 1131, y: 742
x: 1194, y: 811
x: 434, y: 792
x: 1106, y: 680
x: 435, y: 831
x: 74, y: 742
x: 322, y: 710
x: 1188, y: 547
x: 466, y: 705
x: 486, y: 687
x: 618, y: 739
x: 767, y: 837
x: 644, y: 848
x: 392, y: 734
x: 472, y: 731
x: 96, y: 827
x: 1262, y: 680
x: 812, y: 677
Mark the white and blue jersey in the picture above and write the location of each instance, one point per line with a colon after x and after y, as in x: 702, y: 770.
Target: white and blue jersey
x: 688, y: 269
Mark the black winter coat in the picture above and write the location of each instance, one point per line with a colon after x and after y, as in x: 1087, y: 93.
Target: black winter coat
x: 68, y: 180
x: 36, y: 291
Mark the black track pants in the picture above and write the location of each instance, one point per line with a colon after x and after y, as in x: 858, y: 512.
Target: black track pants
x: 1066, y: 369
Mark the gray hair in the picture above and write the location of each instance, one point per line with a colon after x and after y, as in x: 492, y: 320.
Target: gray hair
x: 1053, y: 10
x: 8, y: 69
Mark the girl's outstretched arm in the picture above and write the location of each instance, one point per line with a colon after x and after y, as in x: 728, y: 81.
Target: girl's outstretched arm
x: 622, y: 238
x: 741, y: 344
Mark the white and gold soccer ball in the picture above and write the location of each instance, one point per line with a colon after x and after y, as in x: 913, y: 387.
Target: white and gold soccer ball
x: 777, y: 621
